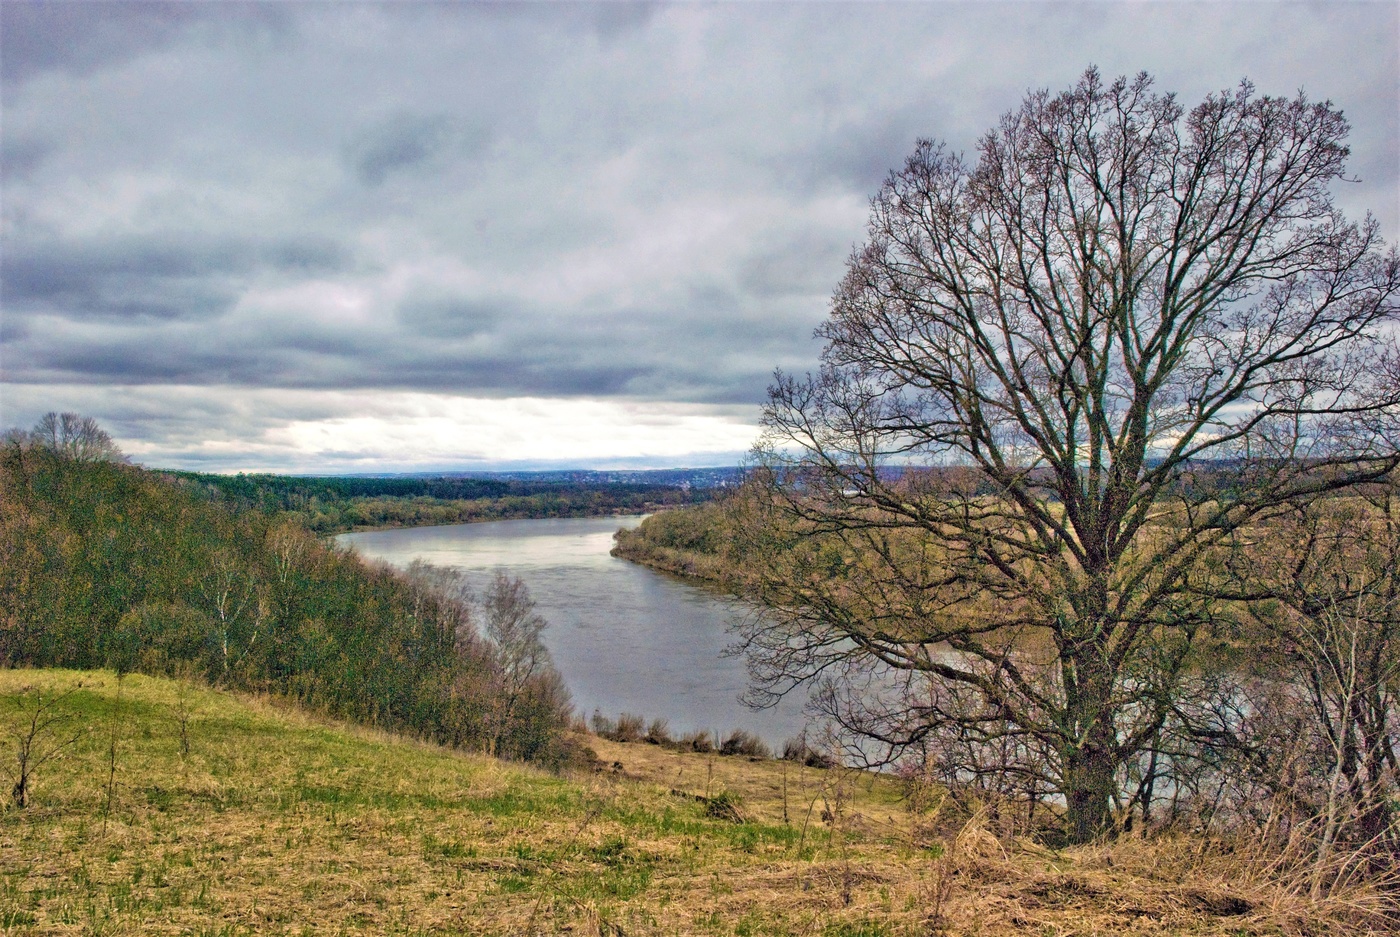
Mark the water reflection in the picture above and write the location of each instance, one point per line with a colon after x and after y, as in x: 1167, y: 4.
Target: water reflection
x: 625, y: 638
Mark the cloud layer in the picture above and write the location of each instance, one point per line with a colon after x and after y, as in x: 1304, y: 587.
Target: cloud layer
x: 536, y: 214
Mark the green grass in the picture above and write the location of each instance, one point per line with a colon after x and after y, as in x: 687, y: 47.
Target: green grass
x: 280, y: 823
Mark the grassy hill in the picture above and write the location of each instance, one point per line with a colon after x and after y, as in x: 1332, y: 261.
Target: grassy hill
x: 230, y: 814
x: 110, y: 565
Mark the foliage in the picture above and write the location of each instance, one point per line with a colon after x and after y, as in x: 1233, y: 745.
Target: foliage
x: 340, y: 503
x: 687, y: 541
x: 109, y: 565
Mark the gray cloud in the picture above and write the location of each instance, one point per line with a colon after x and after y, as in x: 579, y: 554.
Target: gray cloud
x: 134, y: 277
x: 20, y: 156
x: 400, y: 142
x: 452, y: 317
x: 83, y: 36
x: 644, y: 203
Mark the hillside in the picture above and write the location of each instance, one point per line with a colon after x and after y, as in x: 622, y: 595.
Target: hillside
x: 109, y: 565
x: 277, y: 822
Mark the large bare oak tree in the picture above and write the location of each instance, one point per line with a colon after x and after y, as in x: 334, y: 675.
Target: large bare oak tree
x: 1055, y: 380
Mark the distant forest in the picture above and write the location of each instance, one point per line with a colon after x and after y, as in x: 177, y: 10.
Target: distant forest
x: 333, y: 504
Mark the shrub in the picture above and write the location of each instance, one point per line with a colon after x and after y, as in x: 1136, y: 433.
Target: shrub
x: 699, y: 741
x: 659, y: 733
x: 740, y: 742
x: 799, y: 751
x: 629, y: 728
x: 602, y: 725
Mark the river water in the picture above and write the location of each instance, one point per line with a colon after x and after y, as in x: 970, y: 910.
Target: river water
x: 625, y: 638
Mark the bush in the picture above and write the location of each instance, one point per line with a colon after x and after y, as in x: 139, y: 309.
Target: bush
x: 659, y: 733
x: 799, y: 751
x: 629, y: 728
x: 740, y: 742
x: 603, y: 727
x: 699, y: 741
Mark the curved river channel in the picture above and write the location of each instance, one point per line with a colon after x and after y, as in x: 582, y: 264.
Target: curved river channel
x: 626, y: 638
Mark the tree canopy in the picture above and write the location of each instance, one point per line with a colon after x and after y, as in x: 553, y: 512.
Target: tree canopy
x: 1056, y: 381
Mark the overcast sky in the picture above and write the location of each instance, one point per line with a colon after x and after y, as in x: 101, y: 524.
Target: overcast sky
x: 336, y: 237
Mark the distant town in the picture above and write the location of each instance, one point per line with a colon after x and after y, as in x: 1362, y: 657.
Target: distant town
x: 721, y: 477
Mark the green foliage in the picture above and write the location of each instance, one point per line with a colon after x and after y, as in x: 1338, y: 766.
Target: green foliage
x: 335, y: 504
x: 688, y: 541
x: 108, y: 565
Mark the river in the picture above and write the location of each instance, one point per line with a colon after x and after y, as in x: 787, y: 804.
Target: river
x: 625, y: 638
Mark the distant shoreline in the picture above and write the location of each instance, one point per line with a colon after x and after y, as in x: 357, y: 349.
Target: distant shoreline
x: 370, y: 528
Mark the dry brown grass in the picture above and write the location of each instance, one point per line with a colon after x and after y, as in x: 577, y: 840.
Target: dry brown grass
x: 280, y: 823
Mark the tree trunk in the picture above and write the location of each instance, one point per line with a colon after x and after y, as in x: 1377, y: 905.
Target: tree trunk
x: 1088, y: 790
x: 1089, y: 757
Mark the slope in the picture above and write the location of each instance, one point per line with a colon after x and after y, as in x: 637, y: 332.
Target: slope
x: 180, y: 810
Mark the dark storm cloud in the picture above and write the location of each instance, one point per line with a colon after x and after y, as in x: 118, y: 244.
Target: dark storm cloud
x: 644, y: 202
x: 136, y: 277
x: 82, y: 36
x: 399, y: 142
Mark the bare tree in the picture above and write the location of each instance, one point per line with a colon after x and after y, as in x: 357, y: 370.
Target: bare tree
x: 230, y: 590
x: 1323, y: 583
x: 515, y: 629
x: 1054, y: 382
x: 42, y: 730
x: 532, y: 694
x: 75, y: 437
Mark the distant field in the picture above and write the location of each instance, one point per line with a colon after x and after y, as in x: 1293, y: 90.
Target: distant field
x: 275, y: 822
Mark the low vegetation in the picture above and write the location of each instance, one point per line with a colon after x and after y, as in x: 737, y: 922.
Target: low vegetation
x: 234, y: 814
x: 630, y: 727
x: 104, y: 564
x: 687, y: 542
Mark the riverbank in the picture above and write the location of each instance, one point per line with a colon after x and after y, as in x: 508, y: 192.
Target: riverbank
x: 626, y: 638
x: 615, y: 512
x: 186, y: 810
x: 686, y: 542
x: 340, y: 504
x: 397, y: 514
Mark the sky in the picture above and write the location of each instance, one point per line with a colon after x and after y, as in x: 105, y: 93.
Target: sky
x: 336, y: 237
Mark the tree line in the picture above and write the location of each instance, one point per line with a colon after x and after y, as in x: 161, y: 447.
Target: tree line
x: 105, y: 564
x: 335, y: 504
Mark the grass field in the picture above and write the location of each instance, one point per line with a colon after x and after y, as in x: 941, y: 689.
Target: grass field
x: 224, y: 815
